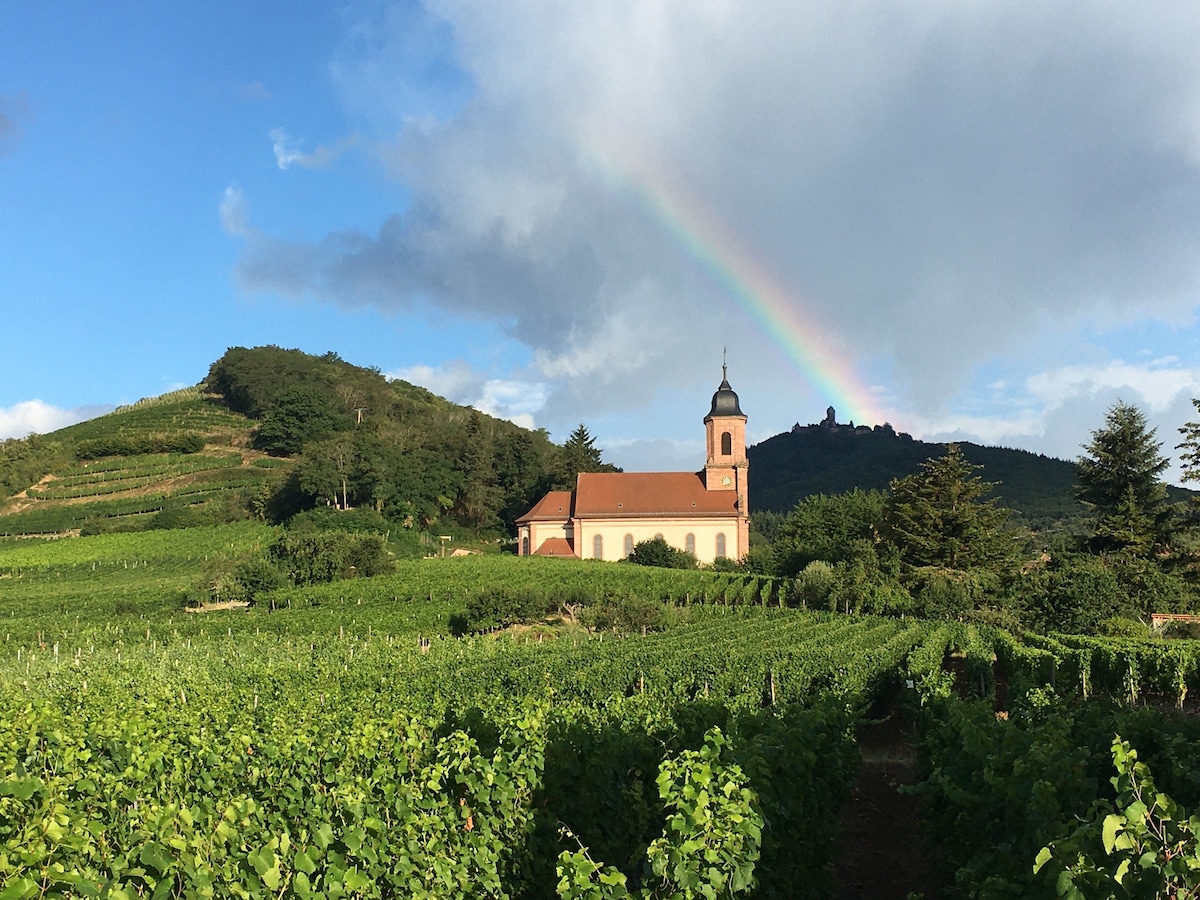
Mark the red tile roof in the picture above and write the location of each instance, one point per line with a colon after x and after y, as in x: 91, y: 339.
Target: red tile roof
x: 556, y: 506
x: 621, y: 494
x: 555, y: 547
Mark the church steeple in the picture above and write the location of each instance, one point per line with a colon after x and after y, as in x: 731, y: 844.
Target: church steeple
x: 725, y: 431
x: 725, y: 401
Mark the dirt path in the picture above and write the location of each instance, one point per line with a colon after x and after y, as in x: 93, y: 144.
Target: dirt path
x: 883, y: 856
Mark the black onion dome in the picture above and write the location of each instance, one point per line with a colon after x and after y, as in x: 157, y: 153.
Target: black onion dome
x: 725, y: 401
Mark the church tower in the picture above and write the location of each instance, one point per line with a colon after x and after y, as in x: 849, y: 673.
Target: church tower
x: 726, y: 466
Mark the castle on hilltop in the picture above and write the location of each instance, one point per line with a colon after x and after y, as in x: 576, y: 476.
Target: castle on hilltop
x: 830, y: 423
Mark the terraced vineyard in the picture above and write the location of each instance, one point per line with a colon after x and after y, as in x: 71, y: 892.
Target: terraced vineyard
x: 116, y: 484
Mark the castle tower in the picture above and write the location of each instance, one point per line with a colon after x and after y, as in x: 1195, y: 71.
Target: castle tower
x: 726, y: 467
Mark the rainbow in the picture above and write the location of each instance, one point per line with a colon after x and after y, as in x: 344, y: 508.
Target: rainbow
x: 761, y: 296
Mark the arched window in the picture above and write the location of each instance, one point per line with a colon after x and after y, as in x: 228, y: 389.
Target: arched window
x: 598, y: 546
x: 689, y: 544
x: 720, y: 546
x: 628, y: 544
x: 726, y: 443
x: 525, y: 545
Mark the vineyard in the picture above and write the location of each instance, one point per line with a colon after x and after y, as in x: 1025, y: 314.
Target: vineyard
x: 172, y: 456
x: 341, y: 740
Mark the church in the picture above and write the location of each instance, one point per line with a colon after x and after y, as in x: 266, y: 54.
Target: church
x: 705, y: 512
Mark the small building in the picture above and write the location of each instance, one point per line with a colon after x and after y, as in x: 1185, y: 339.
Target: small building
x: 608, y: 513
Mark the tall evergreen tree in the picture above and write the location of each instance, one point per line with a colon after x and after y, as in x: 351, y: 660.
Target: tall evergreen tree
x: 1120, y: 480
x: 580, y: 454
x: 939, y: 517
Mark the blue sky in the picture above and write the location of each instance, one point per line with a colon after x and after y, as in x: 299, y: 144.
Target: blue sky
x: 987, y: 213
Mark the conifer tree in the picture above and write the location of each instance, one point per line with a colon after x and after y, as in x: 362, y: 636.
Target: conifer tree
x: 1189, y: 459
x: 939, y: 517
x: 1120, y: 480
x: 580, y: 454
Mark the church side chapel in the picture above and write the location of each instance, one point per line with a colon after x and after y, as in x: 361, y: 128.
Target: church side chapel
x: 705, y: 513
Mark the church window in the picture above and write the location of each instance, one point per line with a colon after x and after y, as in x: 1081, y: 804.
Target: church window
x: 628, y: 544
x: 689, y: 544
x: 525, y: 545
x: 720, y: 546
x: 726, y: 444
x: 598, y: 546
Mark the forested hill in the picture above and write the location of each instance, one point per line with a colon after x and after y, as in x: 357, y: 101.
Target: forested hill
x: 270, y: 432
x: 795, y: 464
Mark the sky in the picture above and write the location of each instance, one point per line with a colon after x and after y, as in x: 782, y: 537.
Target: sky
x: 974, y: 221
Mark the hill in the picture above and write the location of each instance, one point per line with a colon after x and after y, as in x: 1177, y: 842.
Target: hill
x: 270, y: 432
x: 822, y: 460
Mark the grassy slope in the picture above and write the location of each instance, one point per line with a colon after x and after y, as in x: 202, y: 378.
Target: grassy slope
x: 141, y: 485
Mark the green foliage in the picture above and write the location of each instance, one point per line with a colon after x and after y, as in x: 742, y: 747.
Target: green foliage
x: 625, y: 612
x: 657, y: 552
x: 1189, y: 459
x: 824, y: 528
x: 297, y: 416
x: 322, y: 556
x: 1119, y: 626
x: 25, y: 460
x: 940, y: 517
x: 1078, y: 592
x: 709, y: 846
x: 133, y: 444
x: 500, y: 606
x: 1151, y: 847
x: 1182, y: 630
x: 941, y: 593
x: 1120, y: 480
x: 579, y: 454
x: 814, y: 587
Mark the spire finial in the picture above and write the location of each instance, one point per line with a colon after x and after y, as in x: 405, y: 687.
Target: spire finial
x: 724, y: 367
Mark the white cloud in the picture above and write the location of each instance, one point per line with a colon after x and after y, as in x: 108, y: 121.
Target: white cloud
x: 234, y: 212
x: 517, y: 400
x: 1155, y: 386
x: 288, y: 152
x: 37, y: 417
x: 455, y: 380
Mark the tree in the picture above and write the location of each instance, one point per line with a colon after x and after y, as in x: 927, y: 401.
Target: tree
x: 939, y: 517
x: 300, y: 414
x: 1120, y: 480
x: 657, y: 552
x: 326, y: 468
x: 1189, y: 459
x: 580, y: 454
x: 823, y: 527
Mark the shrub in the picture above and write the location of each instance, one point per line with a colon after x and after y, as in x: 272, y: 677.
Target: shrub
x: 1119, y: 626
x: 1189, y: 630
x: 815, y: 584
x: 493, y: 608
x: 625, y: 612
x: 657, y: 552
x: 324, y: 556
